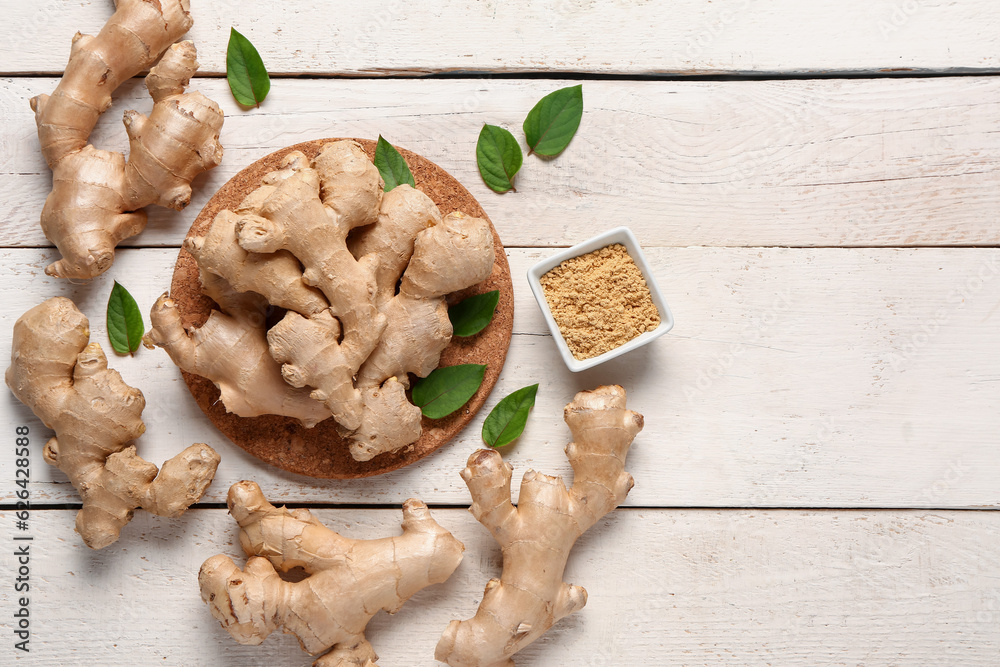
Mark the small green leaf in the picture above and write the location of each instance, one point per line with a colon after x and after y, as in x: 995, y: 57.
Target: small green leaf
x: 552, y: 122
x: 499, y: 157
x: 125, y: 327
x: 506, y: 421
x: 447, y: 389
x: 391, y: 165
x: 470, y: 316
x: 245, y: 70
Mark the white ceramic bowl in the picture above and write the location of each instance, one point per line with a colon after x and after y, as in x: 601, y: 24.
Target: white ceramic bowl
x: 624, y: 236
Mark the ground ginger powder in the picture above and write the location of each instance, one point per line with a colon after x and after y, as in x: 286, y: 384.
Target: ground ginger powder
x: 600, y: 301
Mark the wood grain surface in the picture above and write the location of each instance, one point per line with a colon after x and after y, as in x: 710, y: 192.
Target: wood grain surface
x: 817, y: 480
x: 793, y: 378
x: 701, y: 587
x: 683, y: 37
x: 833, y: 162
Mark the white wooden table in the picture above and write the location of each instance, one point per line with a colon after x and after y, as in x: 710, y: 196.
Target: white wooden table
x: 818, y: 482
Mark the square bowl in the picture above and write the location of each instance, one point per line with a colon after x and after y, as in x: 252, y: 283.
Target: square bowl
x: 624, y: 236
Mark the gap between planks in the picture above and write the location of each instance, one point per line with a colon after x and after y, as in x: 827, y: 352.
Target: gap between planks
x: 8, y: 507
x: 579, y: 75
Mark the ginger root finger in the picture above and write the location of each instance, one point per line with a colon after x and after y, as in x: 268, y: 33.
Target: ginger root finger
x: 536, y: 536
x: 67, y: 384
x: 231, y: 351
x: 179, y: 139
x: 405, y: 212
x: 276, y: 275
x: 310, y: 356
x: 329, y: 609
x: 449, y: 257
x: 388, y: 421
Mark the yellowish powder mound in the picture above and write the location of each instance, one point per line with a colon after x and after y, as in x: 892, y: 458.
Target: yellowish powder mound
x: 600, y: 301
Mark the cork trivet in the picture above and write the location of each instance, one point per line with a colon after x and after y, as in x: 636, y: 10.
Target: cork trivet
x: 320, y: 451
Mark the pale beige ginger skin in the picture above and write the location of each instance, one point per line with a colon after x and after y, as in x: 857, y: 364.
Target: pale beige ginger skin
x: 67, y: 384
x: 353, y: 340
x: 230, y: 349
x: 536, y: 536
x: 308, y: 349
x: 450, y: 256
x: 404, y: 212
x: 278, y: 274
x: 313, y: 225
x: 97, y: 196
x: 348, y: 580
x: 600, y: 301
x: 388, y: 421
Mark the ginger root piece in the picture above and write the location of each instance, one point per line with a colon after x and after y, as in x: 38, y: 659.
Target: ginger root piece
x: 230, y: 349
x: 537, y: 535
x: 404, y: 213
x: 278, y: 274
x: 348, y: 580
x: 67, y: 383
x: 447, y: 257
x: 308, y: 349
x: 97, y: 195
x: 352, y: 343
x: 388, y: 421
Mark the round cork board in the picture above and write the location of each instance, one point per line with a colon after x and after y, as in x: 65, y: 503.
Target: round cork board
x: 320, y: 451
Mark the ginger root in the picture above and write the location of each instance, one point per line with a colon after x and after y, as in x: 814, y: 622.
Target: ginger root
x: 230, y: 349
x: 348, y: 580
x: 67, y: 383
x: 536, y: 536
x: 97, y: 196
x: 363, y: 277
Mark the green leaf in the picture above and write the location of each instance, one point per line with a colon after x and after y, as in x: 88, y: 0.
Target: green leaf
x: 499, y: 157
x: 447, y: 389
x: 506, y: 421
x: 125, y: 327
x: 552, y: 122
x: 470, y: 316
x: 245, y: 70
x: 391, y: 165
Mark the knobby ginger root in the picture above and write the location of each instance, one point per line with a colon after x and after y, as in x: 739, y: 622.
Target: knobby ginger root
x: 537, y: 535
x: 230, y: 349
x: 348, y: 338
x: 97, y: 196
x: 67, y: 384
x: 278, y: 274
x: 348, y: 580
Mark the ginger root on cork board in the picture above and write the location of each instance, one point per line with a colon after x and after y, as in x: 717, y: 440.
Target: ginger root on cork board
x: 67, y: 384
x: 348, y: 581
x: 536, y: 536
x: 97, y: 196
x: 322, y: 240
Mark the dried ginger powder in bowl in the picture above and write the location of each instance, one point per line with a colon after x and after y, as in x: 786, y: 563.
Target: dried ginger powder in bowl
x: 600, y: 301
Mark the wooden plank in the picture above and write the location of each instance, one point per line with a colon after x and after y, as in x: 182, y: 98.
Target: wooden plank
x: 693, y: 587
x: 794, y: 377
x: 629, y: 37
x: 789, y: 163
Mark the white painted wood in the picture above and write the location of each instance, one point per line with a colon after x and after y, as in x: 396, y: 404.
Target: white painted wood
x: 626, y: 36
x: 701, y: 587
x: 793, y: 378
x: 794, y: 163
